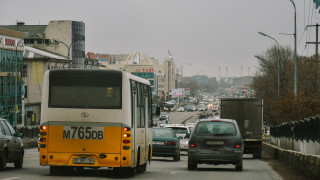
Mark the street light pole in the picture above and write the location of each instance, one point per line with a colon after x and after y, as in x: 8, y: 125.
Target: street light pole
x: 68, y: 47
x: 263, y: 34
x: 295, y: 48
x: 16, y: 85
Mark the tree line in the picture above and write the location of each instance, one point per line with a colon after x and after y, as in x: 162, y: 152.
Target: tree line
x: 287, y: 107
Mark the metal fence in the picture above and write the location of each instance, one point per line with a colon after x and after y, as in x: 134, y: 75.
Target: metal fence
x: 29, y: 132
x: 307, y: 129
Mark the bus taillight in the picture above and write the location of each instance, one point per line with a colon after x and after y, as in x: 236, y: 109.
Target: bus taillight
x: 43, y: 139
x: 126, y: 129
x: 126, y: 141
x: 126, y: 135
x: 43, y: 127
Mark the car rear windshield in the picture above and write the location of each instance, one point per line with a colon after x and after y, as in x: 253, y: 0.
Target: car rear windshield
x: 162, y: 132
x: 215, y: 128
x: 179, y: 130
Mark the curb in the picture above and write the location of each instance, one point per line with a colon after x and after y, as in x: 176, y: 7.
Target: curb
x: 306, y: 163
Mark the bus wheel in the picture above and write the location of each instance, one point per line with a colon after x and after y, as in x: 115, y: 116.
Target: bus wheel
x: 129, y: 172
x: 124, y: 171
x: 141, y: 168
x: 61, y: 170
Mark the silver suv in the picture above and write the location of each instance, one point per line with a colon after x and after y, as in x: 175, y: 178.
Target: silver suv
x: 11, y: 146
x: 215, y: 141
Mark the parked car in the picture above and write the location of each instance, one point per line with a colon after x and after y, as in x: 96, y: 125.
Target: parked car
x: 180, y: 109
x: 182, y: 132
x: 215, y: 141
x: 165, y: 143
x: 164, y: 116
x: 11, y: 146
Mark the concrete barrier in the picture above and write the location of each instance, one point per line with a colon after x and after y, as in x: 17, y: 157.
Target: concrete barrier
x: 305, y: 163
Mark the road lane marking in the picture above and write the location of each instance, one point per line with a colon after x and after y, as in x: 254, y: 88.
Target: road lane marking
x: 11, y: 178
x: 173, y: 172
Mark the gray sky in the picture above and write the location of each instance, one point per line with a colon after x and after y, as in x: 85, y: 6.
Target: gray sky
x: 204, y: 33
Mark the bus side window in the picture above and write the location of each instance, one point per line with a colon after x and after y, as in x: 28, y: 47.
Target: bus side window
x: 133, y: 103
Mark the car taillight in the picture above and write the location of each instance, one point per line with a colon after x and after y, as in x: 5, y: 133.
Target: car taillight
x: 171, y: 143
x: 192, y: 145
x: 238, y: 145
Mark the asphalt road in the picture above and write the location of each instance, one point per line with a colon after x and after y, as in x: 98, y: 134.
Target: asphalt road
x: 162, y: 168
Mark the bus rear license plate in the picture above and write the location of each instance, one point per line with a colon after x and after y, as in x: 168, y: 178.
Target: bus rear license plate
x: 83, y: 160
x: 158, y: 142
x: 215, y: 142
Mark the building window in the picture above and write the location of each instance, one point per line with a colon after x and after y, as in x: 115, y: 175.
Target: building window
x: 24, y: 71
x: 25, y: 91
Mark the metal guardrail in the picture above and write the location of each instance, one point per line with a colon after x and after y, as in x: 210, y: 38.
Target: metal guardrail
x: 307, y: 129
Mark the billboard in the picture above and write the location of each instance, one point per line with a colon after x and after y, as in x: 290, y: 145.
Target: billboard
x: 177, y: 92
x: 187, y: 91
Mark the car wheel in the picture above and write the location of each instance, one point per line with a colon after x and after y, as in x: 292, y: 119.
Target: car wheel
x: 176, y: 157
x: 19, y: 163
x: 239, y: 166
x: 192, y: 165
x: 3, y: 161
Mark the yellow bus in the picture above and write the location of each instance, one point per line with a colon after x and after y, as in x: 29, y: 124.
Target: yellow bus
x: 95, y: 118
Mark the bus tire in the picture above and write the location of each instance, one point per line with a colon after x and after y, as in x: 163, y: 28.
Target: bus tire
x: 141, y: 168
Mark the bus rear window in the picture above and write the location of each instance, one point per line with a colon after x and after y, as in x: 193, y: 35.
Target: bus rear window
x: 85, y: 91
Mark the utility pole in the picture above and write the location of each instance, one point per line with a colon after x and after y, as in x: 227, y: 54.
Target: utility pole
x: 317, y: 41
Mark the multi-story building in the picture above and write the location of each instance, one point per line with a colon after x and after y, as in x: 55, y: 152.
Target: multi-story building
x: 63, y: 37
x: 11, y: 64
x: 60, y: 44
x: 169, y: 68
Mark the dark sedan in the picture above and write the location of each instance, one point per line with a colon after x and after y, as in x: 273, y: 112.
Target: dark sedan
x: 215, y: 141
x: 165, y: 143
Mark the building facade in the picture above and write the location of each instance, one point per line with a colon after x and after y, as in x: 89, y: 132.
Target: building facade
x: 11, y: 53
x: 62, y: 37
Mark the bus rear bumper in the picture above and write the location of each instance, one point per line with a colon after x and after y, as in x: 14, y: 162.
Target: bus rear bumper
x: 82, y: 159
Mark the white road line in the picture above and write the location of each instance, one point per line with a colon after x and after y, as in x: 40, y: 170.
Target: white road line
x: 173, y: 172
x: 11, y: 178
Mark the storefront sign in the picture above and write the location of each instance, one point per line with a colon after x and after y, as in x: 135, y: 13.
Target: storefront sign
x: 150, y: 69
x: 9, y: 42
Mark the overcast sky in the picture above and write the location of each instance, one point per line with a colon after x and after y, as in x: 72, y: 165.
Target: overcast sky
x: 208, y: 34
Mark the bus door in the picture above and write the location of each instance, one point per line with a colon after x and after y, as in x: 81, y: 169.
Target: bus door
x: 140, y: 124
x: 133, y: 120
